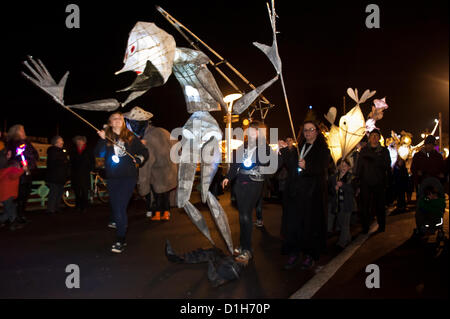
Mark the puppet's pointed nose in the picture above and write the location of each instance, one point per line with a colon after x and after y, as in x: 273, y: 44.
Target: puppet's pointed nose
x: 124, y: 69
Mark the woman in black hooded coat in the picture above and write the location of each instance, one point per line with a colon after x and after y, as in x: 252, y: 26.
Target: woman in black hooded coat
x: 306, y: 198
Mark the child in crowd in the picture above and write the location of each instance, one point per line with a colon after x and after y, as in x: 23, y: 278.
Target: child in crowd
x: 341, y: 202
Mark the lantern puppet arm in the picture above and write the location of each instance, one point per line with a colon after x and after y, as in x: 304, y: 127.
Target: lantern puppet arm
x: 200, y: 89
x: 244, y: 102
x: 43, y: 79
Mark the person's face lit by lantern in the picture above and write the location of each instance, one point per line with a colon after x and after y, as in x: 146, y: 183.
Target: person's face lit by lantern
x: 59, y: 143
x: 80, y: 143
x: 116, y: 121
x: 343, y: 168
x: 429, y: 147
x: 290, y: 142
x: 310, y: 132
x: 21, y: 133
x: 374, y: 139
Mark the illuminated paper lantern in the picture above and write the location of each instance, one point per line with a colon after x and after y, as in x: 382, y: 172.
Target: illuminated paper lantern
x: 334, y: 143
x: 150, y: 51
x: 403, y: 152
x: 352, y: 128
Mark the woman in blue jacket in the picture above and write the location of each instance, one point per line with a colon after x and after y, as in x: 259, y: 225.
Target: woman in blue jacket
x: 121, y: 170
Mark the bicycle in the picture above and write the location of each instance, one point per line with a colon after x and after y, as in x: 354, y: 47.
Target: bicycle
x: 98, y: 190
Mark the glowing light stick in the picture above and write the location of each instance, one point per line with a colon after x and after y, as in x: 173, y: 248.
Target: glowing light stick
x: 19, y: 152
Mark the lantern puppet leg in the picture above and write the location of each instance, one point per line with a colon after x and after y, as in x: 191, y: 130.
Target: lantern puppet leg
x: 221, y: 220
x: 186, y: 175
x: 210, y: 159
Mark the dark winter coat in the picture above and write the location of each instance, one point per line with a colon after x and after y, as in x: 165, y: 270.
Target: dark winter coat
x: 401, y: 178
x: 81, y: 166
x: 57, y: 165
x: 306, y: 199
x: 374, y: 166
x: 348, y: 189
x: 430, y: 164
x: 31, y: 154
x: 125, y: 167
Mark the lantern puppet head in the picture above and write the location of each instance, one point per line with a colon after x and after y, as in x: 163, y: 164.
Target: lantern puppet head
x: 150, y: 52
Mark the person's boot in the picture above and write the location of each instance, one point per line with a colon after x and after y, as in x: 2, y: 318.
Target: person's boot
x: 157, y: 216
x: 292, y: 262
x: 308, y: 263
x: 166, y: 215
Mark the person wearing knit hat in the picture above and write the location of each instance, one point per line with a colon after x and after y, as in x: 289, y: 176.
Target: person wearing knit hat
x: 158, y: 176
x: 373, y: 169
x: 430, y: 140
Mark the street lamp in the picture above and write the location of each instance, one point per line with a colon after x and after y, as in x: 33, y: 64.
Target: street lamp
x: 229, y: 99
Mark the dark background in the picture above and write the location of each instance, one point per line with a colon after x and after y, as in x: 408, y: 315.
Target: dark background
x: 325, y: 48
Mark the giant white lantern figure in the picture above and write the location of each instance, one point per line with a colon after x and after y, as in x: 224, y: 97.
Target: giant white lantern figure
x: 152, y: 54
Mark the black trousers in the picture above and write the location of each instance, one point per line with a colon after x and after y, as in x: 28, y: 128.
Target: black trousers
x: 81, y: 196
x: 372, y: 197
x: 161, y: 201
x: 54, y: 197
x: 247, y: 196
x: 24, y: 193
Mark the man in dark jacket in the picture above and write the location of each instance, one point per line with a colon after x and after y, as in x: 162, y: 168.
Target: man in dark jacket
x: 427, y: 162
x: 82, y: 163
x: 57, y: 171
x: 373, y: 169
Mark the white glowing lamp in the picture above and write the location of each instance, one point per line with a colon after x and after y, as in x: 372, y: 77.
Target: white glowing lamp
x: 403, y: 152
x: 248, y: 162
x: 115, y: 159
x: 230, y: 98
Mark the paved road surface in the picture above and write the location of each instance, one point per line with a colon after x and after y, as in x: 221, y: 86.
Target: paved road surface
x: 33, y: 259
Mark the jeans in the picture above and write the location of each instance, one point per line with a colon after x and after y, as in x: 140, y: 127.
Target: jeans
x: 54, y: 196
x: 247, y: 195
x: 120, y: 192
x: 9, y: 211
x: 258, y: 208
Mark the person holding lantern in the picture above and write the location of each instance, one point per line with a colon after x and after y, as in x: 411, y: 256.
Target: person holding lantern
x: 23, y: 152
x: 121, y: 161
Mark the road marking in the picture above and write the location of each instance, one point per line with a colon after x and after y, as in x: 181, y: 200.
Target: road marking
x: 323, y: 275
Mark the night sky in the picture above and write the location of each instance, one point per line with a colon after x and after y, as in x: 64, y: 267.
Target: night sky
x: 325, y: 48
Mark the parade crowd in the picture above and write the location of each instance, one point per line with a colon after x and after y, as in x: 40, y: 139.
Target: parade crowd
x: 319, y: 199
